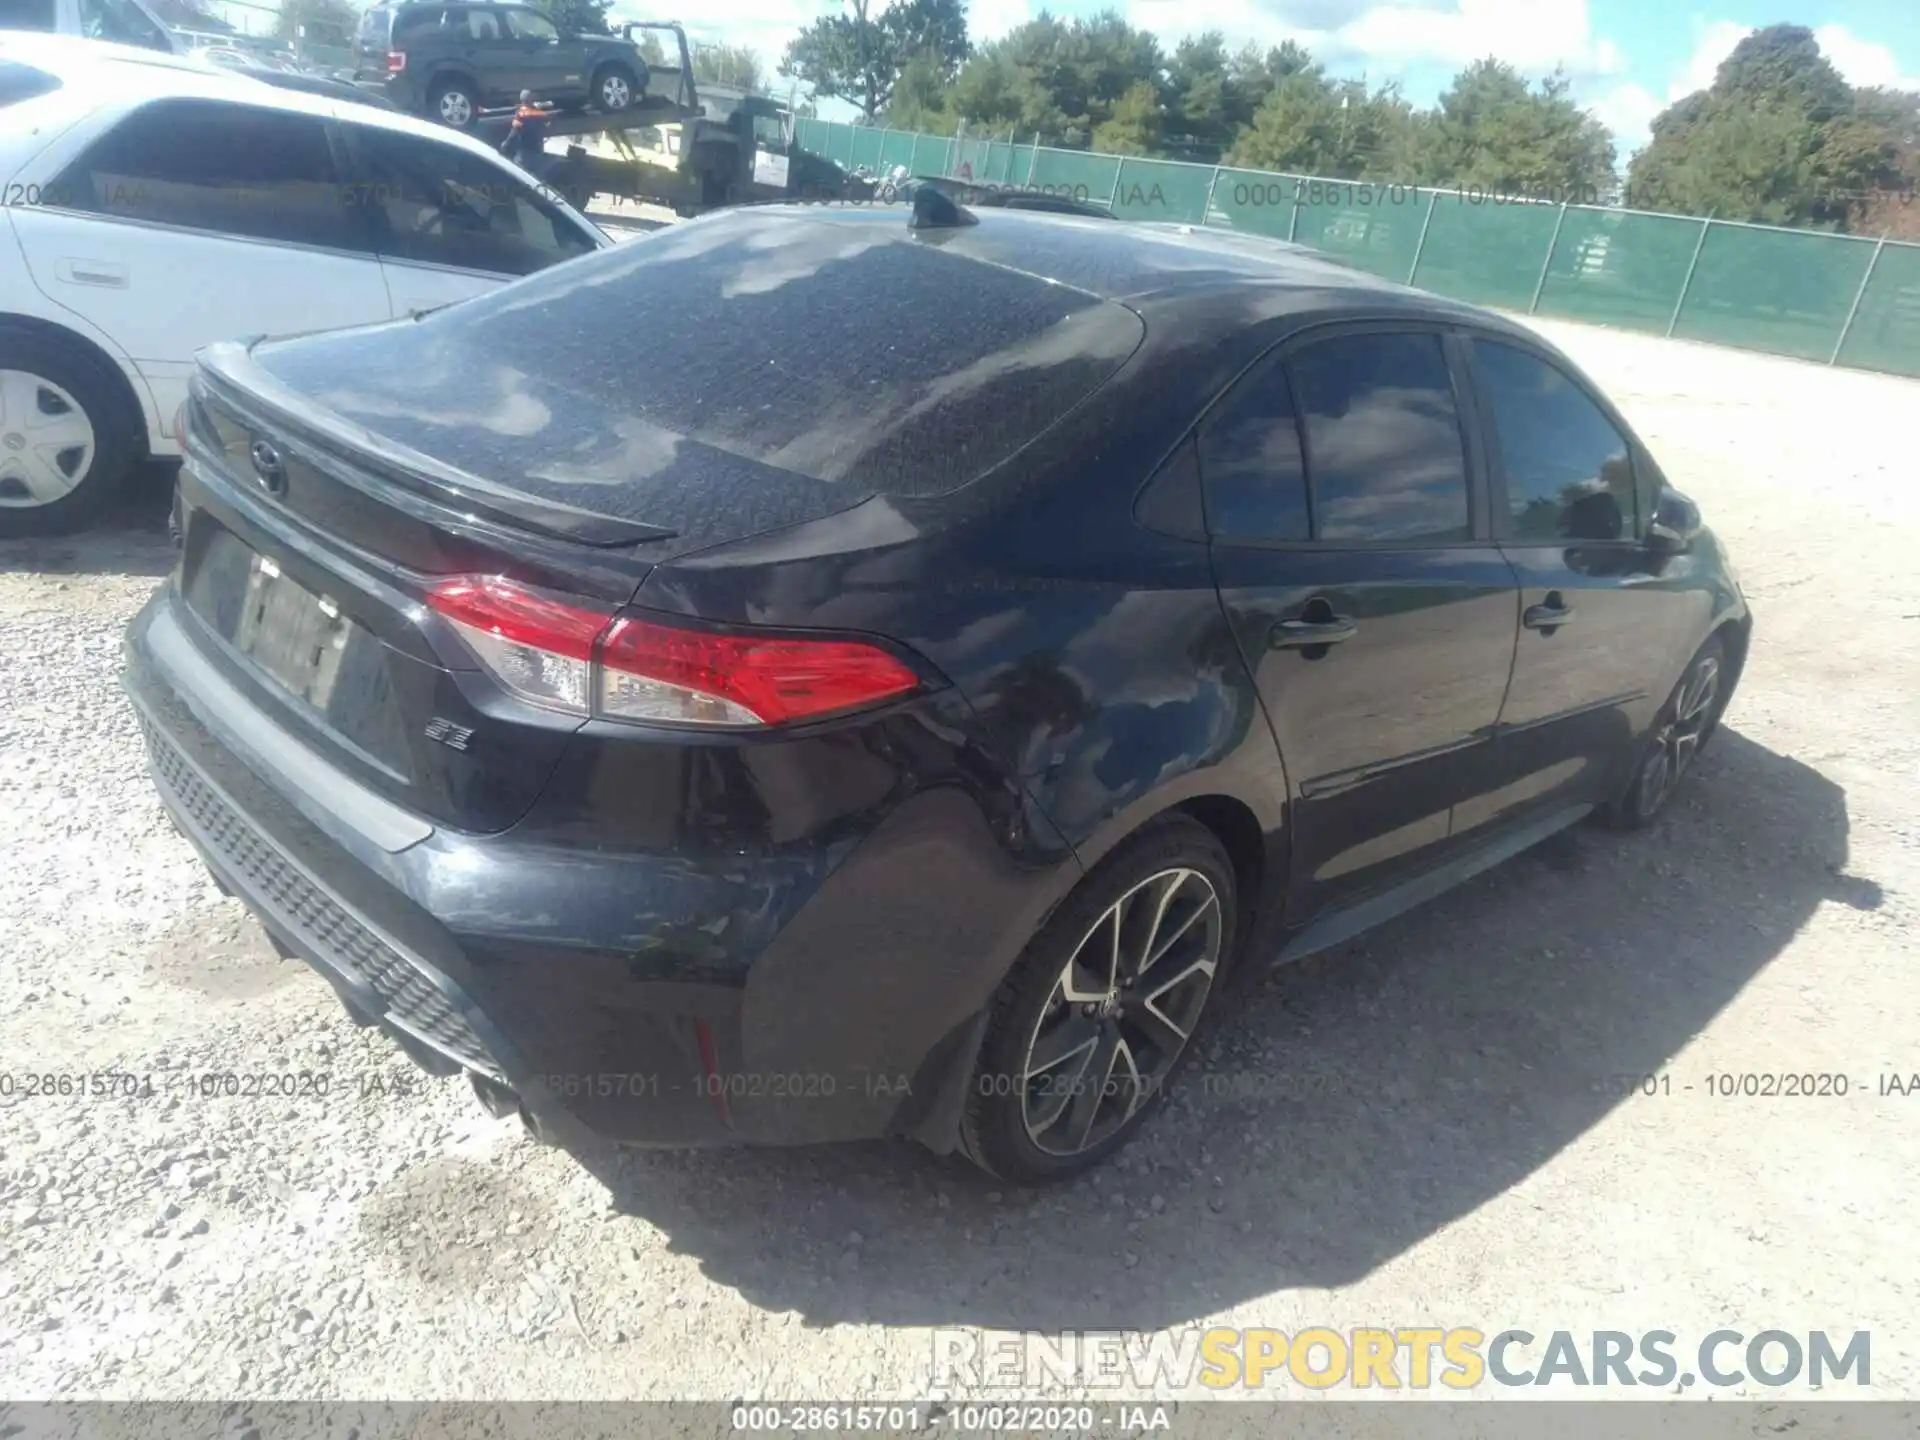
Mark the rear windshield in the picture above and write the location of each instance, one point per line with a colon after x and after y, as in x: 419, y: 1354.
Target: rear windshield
x: 22, y: 82
x: 417, y: 20
x: 844, y: 351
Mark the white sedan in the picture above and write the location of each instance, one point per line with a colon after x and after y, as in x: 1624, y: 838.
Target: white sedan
x: 153, y: 205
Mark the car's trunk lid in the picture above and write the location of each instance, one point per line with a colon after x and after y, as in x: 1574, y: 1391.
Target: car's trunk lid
x: 311, y: 539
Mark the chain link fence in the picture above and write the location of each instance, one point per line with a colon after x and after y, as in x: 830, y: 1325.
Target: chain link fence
x: 1838, y: 299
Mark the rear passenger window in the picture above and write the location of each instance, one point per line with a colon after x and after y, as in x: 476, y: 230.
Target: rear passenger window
x: 438, y: 204
x: 483, y: 25
x: 1569, y: 475
x: 26, y: 15
x: 526, y: 25
x: 1256, y: 486
x: 233, y: 169
x: 1383, y: 449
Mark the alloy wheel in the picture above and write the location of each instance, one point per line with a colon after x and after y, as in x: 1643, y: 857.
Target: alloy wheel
x: 456, y: 109
x: 614, y: 93
x: 1678, y: 739
x: 47, y: 443
x: 1121, y: 1011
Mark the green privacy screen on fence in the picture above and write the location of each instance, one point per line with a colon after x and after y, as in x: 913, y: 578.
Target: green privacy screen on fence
x: 1843, y: 299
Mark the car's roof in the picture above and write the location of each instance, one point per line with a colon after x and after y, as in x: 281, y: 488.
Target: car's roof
x: 88, y: 69
x: 1136, y: 260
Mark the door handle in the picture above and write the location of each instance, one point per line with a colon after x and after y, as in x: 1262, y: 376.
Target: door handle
x: 91, y: 272
x: 1304, y: 634
x: 1549, y: 615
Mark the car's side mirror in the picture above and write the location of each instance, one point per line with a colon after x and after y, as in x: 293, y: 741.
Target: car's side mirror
x: 1675, y: 523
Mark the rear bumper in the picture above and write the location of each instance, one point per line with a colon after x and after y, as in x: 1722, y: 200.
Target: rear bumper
x: 578, y: 979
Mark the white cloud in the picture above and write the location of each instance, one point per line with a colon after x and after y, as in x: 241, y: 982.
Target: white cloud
x: 1533, y: 35
x: 990, y: 19
x: 1712, y: 44
x: 1862, y: 62
x: 1628, y: 111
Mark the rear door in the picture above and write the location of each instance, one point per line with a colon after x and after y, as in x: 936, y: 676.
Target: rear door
x: 478, y: 43
x: 547, y: 65
x: 1597, y: 623
x: 1351, y: 547
x: 448, y: 223
x: 190, y: 221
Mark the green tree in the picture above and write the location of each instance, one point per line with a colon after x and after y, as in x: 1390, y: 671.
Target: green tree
x: 1494, y: 131
x: 921, y: 98
x: 1132, y: 126
x: 327, y: 22
x: 1201, y: 91
x: 1779, y: 137
x: 859, y: 55
x: 1255, y: 72
x: 734, y: 65
x: 1311, y: 125
x: 1063, y: 79
x: 577, y: 17
x: 1895, y: 209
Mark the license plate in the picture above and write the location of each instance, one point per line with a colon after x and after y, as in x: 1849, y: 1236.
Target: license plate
x: 297, y: 637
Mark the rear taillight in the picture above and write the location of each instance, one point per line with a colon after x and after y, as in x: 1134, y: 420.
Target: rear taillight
x: 396, y: 61
x: 588, y: 662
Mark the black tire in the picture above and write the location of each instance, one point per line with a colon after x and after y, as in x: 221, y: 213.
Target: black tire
x: 1005, y: 1128
x: 1678, y: 733
x: 611, y: 104
x: 450, y: 97
x: 99, y: 394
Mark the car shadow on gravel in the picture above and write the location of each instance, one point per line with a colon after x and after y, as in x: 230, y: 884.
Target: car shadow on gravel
x: 129, y: 539
x: 1356, y: 1104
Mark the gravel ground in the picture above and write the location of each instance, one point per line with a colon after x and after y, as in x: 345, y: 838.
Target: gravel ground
x: 1400, y: 1133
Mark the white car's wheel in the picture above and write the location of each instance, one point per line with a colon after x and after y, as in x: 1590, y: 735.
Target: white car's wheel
x: 65, y: 445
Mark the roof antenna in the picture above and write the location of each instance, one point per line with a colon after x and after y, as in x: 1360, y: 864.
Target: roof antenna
x: 933, y: 210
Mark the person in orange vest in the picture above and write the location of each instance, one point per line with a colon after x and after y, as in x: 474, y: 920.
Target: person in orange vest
x: 526, y: 138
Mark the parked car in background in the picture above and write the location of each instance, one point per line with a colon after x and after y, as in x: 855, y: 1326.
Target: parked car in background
x: 123, y: 22
x: 804, y: 676
x: 309, y: 83
x: 450, y: 61
x: 154, y: 205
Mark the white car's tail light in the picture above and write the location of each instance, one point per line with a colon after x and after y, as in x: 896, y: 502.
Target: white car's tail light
x: 586, y: 662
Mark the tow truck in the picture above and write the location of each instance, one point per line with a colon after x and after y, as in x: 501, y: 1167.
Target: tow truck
x: 688, y: 147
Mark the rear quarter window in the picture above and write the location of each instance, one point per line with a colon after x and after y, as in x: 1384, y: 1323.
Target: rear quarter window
x: 22, y: 82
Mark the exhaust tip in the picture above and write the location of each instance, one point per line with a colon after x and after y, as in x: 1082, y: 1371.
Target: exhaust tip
x: 495, y: 1098
x: 533, y: 1127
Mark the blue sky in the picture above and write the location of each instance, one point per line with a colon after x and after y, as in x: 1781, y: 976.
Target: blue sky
x: 1628, y: 58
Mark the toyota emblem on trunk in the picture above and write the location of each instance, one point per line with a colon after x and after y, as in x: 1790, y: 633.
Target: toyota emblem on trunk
x: 269, y: 467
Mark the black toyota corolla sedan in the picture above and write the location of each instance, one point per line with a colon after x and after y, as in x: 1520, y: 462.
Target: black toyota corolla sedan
x: 806, y: 676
